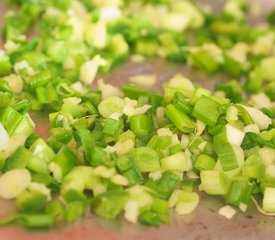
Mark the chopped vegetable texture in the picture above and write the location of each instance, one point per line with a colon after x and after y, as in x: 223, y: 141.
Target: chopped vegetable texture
x: 133, y: 151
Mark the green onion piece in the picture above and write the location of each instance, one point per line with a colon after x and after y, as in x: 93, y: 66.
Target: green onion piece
x: 185, y: 202
x: 74, y: 210
x: 41, y: 94
x: 4, y: 86
x: 79, y: 179
x: 125, y: 136
x: 25, y: 126
x: 109, y: 204
x: 240, y: 192
x: 141, y: 125
x: 180, y: 102
x: 160, y: 206
x: 111, y: 105
x: 10, y: 119
x: 5, y: 99
x: 40, y: 79
x: 42, y: 154
x: 230, y: 156
x: 204, y: 60
x: 64, y: 90
x: 175, y: 149
x: 31, y: 201
x: 61, y: 134
x: 213, y: 182
x: 65, y: 159
x: 128, y: 168
x: 146, y: 159
x: 30, y: 220
x: 133, y: 92
x: 19, y: 159
x: 112, y: 127
x: 177, y: 162
x: 204, y: 162
x: 5, y: 65
x: 55, y: 209
x: 152, y: 218
x: 97, y: 156
x: 73, y: 195
x: 232, y: 90
x: 268, y: 135
x: 156, y: 100
x: 76, y: 110
x: 179, y: 118
x: 170, y: 91
x: 187, y: 185
x: 253, y: 168
x: 231, y: 66
x: 269, y: 200
x: 252, y: 140
x: 14, y: 182
x: 46, y: 180
x: 21, y: 106
x: 133, y: 176
x: 206, y: 110
x: 163, y: 187
x: 86, y: 141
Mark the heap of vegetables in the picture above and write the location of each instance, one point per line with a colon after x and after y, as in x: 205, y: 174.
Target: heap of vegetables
x: 133, y: 151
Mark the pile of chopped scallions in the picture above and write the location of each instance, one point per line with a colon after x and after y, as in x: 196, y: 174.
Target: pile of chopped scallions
x: 129, y: 150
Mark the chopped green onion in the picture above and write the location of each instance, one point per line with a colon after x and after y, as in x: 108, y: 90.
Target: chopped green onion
x: 179, y: 118
x: 206, y: 110
x: 213, y: 182
x: 146, y: 159
x: 109, y: 204
x: 141, y: 125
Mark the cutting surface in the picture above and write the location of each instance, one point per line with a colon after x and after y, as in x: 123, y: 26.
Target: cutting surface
x: 205, y: 223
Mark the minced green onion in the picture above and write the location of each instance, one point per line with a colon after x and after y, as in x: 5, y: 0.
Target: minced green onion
x: 134, y: 149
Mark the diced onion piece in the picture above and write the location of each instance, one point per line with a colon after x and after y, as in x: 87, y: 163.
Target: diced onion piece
x: 139, y: 198
x: 23, y: 65
x: 15, y: 82
x: 144, y: 80
x: 155, y: 175
x: 227, y: 212
x: 107, y: 90
x: 260, y: 100
x: 131, y: 211
x: 14, y: 182
x: 104, y: 172
x: 14, y: 142
x: 110, y: 13
x: 56, y: 171
x: 200, y: 126
x: 179, y: 81
x: 235, y: 136
x: 252, y: 128
x: 4, y: 137
x: 269, y: 200
x: 119, y: 180
x: 89, y: 69
x: 267, y: 155
x: 243, y: 207
x: 175, y: 22
x: 262, y: 120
